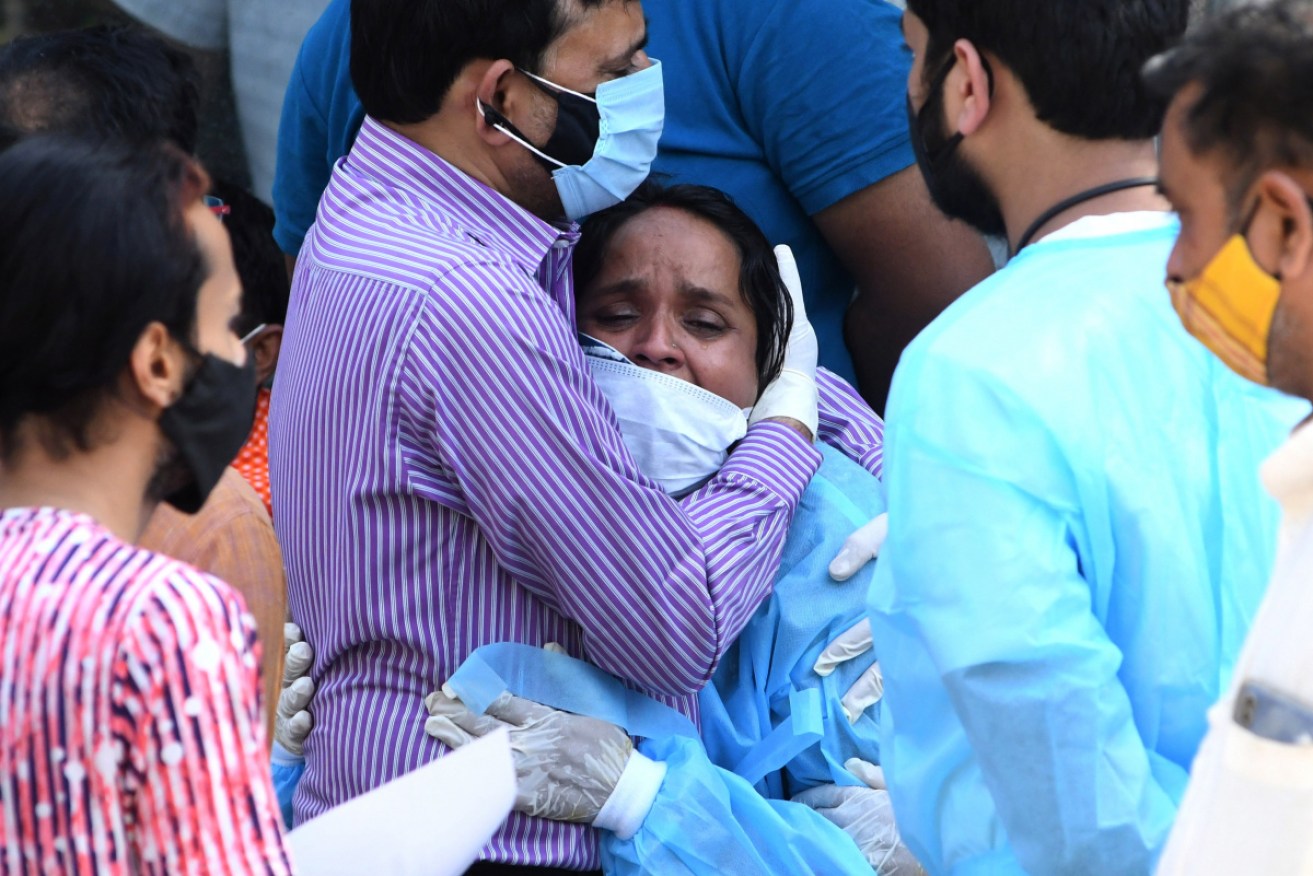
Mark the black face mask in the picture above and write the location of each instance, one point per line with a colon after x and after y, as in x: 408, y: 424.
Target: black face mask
x: 208, y: 425
x: 955, y: 186
x: 578, y: 126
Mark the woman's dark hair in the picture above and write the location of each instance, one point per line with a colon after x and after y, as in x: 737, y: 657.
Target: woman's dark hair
x: 94, y: 247
x: 759, y: 274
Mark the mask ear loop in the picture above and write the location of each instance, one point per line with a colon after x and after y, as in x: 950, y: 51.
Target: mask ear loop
x: 498, y: 121
x: 936, y: 98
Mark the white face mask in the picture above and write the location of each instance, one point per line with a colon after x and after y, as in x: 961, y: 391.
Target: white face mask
x: 679, y: 434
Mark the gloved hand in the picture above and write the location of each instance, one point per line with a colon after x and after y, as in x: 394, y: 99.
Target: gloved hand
x: 793, y: 394
x: 860, y: 548
x: 567, y: 765
x: 871, y: 774
x: 869, y: 687
x: 867, y: 816
x: 292, y: 722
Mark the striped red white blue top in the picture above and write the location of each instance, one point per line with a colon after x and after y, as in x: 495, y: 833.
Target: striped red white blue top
x: 131, y: 734
x: 446, y: 475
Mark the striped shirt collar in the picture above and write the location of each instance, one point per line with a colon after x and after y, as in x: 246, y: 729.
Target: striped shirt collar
x: 493, y: 219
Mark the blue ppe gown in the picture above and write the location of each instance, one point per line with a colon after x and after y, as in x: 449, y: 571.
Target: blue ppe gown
x: 752, y: 691
x: 708, y: 820
x: 1078, y: 543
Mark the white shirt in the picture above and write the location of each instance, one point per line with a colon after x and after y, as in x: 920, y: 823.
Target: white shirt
x: 1249, y: 805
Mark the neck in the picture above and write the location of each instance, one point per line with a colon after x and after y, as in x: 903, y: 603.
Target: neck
x: 107, y: 484
x: 1073, y: 166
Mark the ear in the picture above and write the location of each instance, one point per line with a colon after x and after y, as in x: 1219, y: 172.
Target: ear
x: 970, y: 100
x: 494, y: 90
x: 157, y: 367
x: 1286, y: 231
x: 265, y: 348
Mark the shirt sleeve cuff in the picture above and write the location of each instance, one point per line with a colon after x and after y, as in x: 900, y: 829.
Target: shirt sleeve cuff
x: 776, y: 456
x: 624, y: 811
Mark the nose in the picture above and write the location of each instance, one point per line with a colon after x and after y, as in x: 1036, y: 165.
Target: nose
x: 657, y: 347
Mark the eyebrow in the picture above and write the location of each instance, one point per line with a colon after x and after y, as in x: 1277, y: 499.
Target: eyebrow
x: 625, y: 56
x: 701, y: 293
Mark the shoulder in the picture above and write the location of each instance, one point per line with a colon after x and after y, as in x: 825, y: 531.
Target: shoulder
x: 171, y: 602
x: 1059, y: 309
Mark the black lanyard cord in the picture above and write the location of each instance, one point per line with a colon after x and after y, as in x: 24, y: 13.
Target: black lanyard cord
x: 1081, y: 198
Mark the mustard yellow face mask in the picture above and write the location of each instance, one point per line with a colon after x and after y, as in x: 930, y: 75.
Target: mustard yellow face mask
x: 1229, y: 308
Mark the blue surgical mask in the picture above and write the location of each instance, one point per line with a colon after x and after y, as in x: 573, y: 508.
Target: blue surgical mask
x: 604, y: 144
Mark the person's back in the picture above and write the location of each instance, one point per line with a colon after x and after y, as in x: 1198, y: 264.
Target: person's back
x: 117, y: 674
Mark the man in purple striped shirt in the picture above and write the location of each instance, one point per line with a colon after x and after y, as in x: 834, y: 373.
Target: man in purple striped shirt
x: 445, y: 472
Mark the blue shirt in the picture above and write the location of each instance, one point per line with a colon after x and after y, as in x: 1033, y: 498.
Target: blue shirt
x: 1078, y: 542
x: 788, y: 105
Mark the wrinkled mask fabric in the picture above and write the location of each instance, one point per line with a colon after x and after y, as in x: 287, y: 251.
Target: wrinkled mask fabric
x: 603, y: 146
x: 208, y: 425
x: 1229, y: 308
x: 678, y: 434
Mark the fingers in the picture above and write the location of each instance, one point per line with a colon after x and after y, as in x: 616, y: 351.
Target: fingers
x: 518, y: 711
x: 860, y: 548
x: 855, y: 642
x: 292, y: 634
x: 446, y: 732
x: 792, y: 281
x: 555, y: 648
x: 865, y: 692
x: 823, y: 797
x: 453, y: 711
x: 297, y: 661
x: 867, y: 772
x: 295, y: 697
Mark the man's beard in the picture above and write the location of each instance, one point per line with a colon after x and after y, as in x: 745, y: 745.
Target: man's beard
x: 956, y: 188
x: 171, y: 473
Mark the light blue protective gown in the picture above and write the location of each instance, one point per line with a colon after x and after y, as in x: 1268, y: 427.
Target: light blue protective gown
x: 1078, y: 543
x: 772, y: 659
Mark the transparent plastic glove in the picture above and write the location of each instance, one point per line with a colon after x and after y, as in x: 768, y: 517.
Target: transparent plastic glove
x: 793, y: 394
x: 871, y: 774
x: 869, y: 687
x: 860, y: 548
x: 866, y: 815
x: 567, y: 765
x: 292, y: 722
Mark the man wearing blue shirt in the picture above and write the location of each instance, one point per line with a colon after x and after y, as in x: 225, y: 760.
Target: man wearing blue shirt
x: 794, y: 107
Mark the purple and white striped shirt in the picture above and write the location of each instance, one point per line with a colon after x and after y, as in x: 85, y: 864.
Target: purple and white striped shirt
x: 446, y: 475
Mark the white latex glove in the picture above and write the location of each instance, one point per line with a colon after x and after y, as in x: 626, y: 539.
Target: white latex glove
x: 793, y: 394
x: 869, y: 687
x: 871, y: 774
x: 569, y: 767
x: 867, y: 816
x: 860, y: 548
x: 292, y: 722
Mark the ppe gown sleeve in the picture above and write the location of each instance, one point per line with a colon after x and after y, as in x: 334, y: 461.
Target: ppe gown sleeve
x: 707, y: 821
x: 1015, y: 743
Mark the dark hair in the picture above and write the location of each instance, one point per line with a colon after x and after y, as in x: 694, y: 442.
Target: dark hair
x: 94, y: 247
x: 759, y: 273
x: 260, y: 263
x: 1255, y: 68
x: 1079, y: 60
x: 103, y: 82
x: 406, y: 54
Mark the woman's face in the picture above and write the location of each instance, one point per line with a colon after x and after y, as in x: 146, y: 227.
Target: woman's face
x: 668, y: 298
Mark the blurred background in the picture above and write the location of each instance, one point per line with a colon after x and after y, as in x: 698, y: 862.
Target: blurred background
x: 279, y: 23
